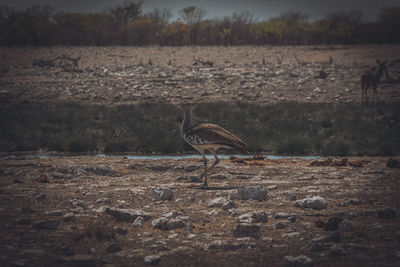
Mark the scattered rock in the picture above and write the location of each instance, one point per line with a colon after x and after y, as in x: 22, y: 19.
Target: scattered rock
x: 78, y: 260
x: 121, y: 230
x: 317, y: 203
x: 217, y: 202
x: 127, y: 215
x: 64, y: 248
x: 46, y: 225
x: 159, y: 246
x: 292, y: 235
x: 40, y: 196
x: 346, y: 226
x: 317, y: 246
x: 227, y: 245
x: 281, y: 215
x: 252, y: 192
x: 299, y: 261
x: 291, y: 197
x: 392, y: 163
x: 192, y: 168
x: 386, y: 213
x: 271, y: 187
x: 152, y: 259
x: 27, y: 210
x: 68, y: 217
x: 43, y: 178
x: 104, y: 200
x: 23, y: 221
x: 320, y: 224
x: 172, y: 214
x: 54, y: 213
x: 160, y: 223
x: 113, y: 248
x: 333, y: 223
x: 168, y: 224
x: 219, y: 177
x: 253, y: 217
x: 243, y: 230
x: 336, y: 251
x: 139, y: 221
x: 229, y: 205
x: 100, y: 171
x: 19, y: 263
x: 162, y: 193
x: 279, y: 225
x: 358, y: 163
x: 334, y: 237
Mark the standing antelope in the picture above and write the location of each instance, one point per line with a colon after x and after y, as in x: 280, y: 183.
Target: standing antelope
x: 371, y: 78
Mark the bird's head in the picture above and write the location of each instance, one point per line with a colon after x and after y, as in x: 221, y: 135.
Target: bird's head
x: 186, y: 106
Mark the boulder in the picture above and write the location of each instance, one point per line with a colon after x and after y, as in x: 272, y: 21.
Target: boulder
x: 317, y: 203
x: 252, y: 192
x: 127, y: 215
x: 161, y: 193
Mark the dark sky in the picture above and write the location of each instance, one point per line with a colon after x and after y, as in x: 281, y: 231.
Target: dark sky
x: 261, y: 9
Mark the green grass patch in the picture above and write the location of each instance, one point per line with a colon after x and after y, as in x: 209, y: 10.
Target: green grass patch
x: 282, y: 128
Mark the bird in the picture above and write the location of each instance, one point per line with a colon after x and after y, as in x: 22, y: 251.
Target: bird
x: 207, y: 137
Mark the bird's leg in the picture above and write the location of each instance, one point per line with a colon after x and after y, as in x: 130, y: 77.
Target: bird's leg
x: 212, y: 151
x: 204, y: 175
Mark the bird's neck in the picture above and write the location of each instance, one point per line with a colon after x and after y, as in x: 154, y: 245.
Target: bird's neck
x: 187, y: 120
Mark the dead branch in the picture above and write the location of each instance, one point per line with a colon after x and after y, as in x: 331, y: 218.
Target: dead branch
x: 67, y: 60
x: 296, y: 58
x: 280, y: 59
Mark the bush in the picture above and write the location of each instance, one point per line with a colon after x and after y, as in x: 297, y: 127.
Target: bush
x: 336, y: 149
x: 283, y: 128
x: 296, y: 145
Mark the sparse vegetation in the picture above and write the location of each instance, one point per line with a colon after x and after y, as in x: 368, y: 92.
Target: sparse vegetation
x: 100, y: 229
x: 282, y: 128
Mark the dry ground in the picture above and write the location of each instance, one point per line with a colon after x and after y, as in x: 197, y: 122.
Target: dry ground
x: 53, y: 210
x: 74, y: 192
x: 115, y: 75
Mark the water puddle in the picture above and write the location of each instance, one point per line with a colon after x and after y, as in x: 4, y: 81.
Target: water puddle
x: 149, y: 157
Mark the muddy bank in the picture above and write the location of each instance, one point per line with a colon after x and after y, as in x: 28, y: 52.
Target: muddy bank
x: 97, y: 211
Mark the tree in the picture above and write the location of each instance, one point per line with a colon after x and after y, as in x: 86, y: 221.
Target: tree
x: 389, y: 20
x: 128, y: 11
x: 160, y: 18
x: 193, y: 15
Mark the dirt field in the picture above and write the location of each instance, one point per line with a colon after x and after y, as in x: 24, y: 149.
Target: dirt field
x: 115, y: 75
x: 92, y: 211
x: 82, y: 211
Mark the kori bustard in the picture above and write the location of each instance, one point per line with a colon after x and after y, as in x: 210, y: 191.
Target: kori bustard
x: 207, y: 137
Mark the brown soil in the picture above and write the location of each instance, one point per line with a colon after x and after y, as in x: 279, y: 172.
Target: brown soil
x: 83, y: 187
x: 53, y: 210
x: 117, y: 75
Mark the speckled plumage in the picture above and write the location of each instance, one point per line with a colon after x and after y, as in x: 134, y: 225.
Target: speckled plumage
x: 207, y: 137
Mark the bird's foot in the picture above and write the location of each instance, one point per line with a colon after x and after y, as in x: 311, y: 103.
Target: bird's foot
x: 204, y: 186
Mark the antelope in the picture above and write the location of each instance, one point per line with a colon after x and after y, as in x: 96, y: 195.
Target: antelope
x: 371, y: 78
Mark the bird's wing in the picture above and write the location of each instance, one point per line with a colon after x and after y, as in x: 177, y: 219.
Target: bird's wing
x: 215, y: 134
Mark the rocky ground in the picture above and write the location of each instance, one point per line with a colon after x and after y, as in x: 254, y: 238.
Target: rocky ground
x: 91, y: 211
x: 117, y: 75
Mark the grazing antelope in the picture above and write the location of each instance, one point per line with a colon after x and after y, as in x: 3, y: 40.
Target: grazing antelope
x: 371, y: 78
x: 207, y: 137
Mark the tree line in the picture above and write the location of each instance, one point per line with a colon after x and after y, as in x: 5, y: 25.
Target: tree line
x: 127, y: 24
